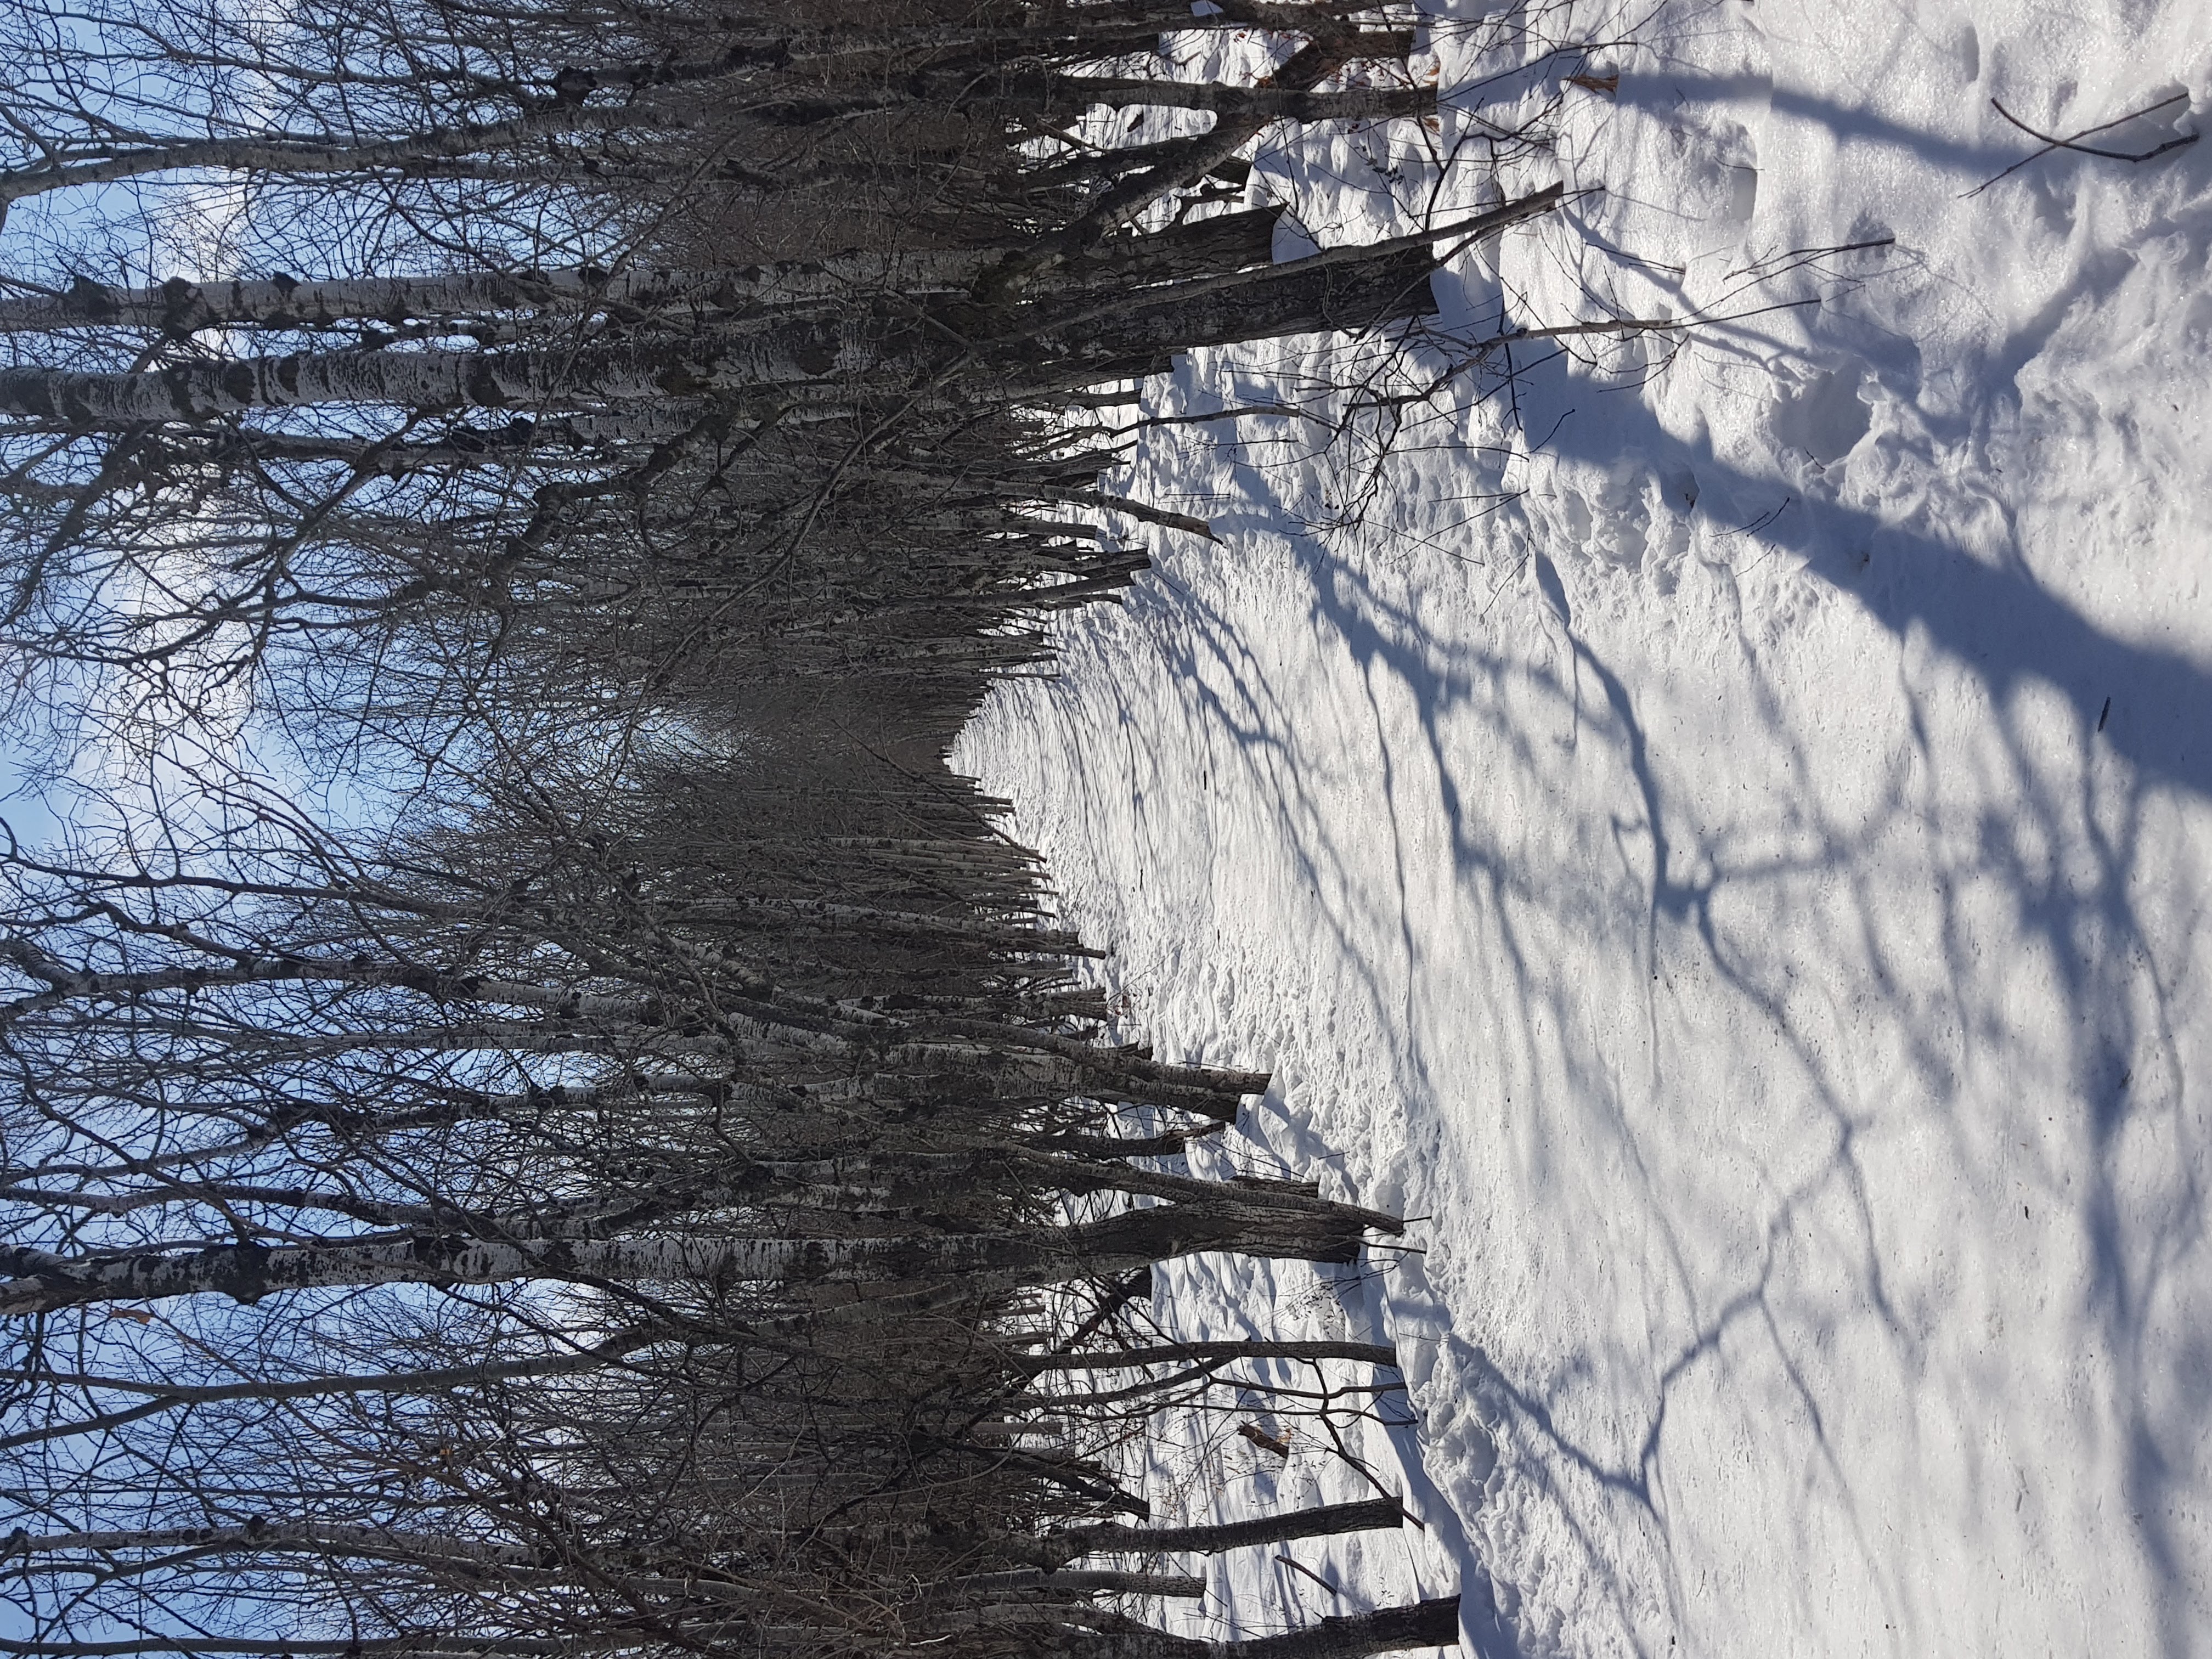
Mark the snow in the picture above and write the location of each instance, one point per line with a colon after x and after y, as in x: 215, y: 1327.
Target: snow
x: 1722, y: 826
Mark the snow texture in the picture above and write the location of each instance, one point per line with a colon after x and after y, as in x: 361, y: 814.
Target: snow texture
x: 1723, y: 827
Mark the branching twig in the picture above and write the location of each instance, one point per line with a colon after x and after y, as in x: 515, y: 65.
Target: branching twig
x: 2074, y: 142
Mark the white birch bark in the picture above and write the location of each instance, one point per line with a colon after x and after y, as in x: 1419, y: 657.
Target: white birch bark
x: 299, y: 155
x: 66, y: 984
x: 789, y: 359
x: 165, y: 1397
x: 416, y: 152
x: 180, y: 307
x: 46, y: 1283
x: 294, y: 1537
x: 1078, y: 1582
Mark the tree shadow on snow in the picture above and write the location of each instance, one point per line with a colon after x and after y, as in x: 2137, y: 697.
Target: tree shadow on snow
x: 2149, y: 708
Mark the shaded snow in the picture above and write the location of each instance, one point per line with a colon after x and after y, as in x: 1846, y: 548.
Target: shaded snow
x: 1729, y: 837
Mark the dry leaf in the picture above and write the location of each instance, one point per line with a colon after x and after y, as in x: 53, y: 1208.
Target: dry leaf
x: 1259, y: 1437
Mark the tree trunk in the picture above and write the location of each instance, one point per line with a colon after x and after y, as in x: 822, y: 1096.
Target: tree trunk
x: 177, y: 1397
x: 1272, y: 103
x: 425, y: 1645
x: 1328, y: 1522
x: 1328, y: 49
x: 291, y: 156
x: 792, y: 355
x: 178, y: 307
x: 46, y: 1283
x: 1074, y: 1582
x: 1171, y: 1354
x: 1354, y: 1636
x: 305, y: 1537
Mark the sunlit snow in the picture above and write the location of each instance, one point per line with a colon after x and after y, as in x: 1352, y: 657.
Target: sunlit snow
x: 1722, y: 825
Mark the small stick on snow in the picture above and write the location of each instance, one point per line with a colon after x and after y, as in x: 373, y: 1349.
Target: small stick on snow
x: 2051, y: 143
x: 1368, y: 1474
x: 1295, y: 1567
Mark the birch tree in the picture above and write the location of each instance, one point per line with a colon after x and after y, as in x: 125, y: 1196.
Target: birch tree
x: 648, y: 1192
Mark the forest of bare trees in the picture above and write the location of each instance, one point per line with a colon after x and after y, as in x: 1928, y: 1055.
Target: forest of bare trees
x: 598, y: 1148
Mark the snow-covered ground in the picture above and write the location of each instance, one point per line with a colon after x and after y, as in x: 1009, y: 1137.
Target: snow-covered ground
x: 1723, y: 828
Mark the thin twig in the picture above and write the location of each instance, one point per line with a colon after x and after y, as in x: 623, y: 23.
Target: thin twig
x: 1295, y: 1567
x: 1773, y: 266
x: 2051, y: 143
x: 1368, y: 1474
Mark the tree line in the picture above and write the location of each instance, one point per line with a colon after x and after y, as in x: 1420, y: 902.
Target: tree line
x: 655, y: 1183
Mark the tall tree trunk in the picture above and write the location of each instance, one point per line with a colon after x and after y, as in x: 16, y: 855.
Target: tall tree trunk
x: 1354, y: 1636
x: 1273, y: 103
x: 1168, y: 1353
x: 168, y: 1397
x: 179, y: 306
x: 791, y: 356
x: 46, y: 1283
x: 1328, y: 1522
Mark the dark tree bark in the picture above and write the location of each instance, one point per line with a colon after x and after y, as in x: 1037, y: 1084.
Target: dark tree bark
x: 1328, y: 1522
x: 1353, y: 1635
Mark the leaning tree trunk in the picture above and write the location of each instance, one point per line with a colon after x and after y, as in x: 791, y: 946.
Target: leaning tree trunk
x: 1328, y: 1522
x: 1169, y: 1353
x: 1389, y: 1630
x: 179, y: 306
x: 47, y: 1283
x: 1226, y: 242
x: 724, y: 360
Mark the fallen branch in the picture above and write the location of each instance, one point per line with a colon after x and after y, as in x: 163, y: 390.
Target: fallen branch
x: 2074, y: 142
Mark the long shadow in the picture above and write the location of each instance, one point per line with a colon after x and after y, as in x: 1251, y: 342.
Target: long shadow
x: 1387, y: 645
x: 2154, y: 709
x: 1226, y: 689
x: 1357, y: 614
x: 1661, y: 92
x: 2152, y: 706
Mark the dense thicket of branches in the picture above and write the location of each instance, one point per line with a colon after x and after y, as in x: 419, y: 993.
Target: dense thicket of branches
x: 658, y: 1186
